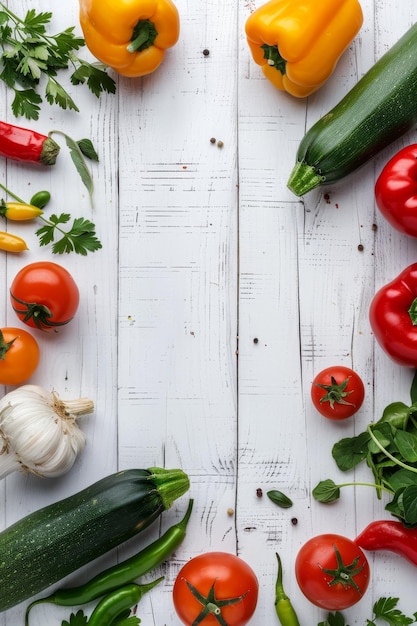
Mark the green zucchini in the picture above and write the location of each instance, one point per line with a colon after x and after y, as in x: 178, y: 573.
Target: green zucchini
x: 54, y: 541
x: 376, y: 111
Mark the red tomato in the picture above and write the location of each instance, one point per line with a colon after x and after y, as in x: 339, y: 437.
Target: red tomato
x: 44, y: 295
x: 337, y: 392
x: 332, y: 572
x: 19, y: 356
x: 217, y: 584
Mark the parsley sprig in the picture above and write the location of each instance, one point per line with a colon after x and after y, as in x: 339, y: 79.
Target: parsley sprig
x: 29, y: 53
x: 81, y: 238
x: 384, y: 609
x: 80, y: 619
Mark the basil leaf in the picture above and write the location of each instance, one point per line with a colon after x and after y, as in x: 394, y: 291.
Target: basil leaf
x: 279, y: 498
x: 351, y: 451
x: 326, y: 491
x: 407, y: 445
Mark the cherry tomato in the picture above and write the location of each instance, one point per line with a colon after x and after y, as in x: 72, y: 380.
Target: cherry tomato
x: 332, y: 572
x: 215, y: 586
x: 337, y: 392
x: 44, y: 295
x: 19, y: 356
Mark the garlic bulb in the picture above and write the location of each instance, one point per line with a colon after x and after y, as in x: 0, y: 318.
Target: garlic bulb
x: 38, y: 431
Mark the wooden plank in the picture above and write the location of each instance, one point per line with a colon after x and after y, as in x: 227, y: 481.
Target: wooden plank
x: 216, y: 298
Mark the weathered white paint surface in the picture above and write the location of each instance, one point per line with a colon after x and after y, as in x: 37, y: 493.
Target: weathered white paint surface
x: 204, y: 250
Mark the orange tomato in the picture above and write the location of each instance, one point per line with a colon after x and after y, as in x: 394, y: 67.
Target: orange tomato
x: 19, y: 356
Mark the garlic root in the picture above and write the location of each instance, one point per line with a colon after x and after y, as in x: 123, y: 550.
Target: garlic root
x: 38, y: 431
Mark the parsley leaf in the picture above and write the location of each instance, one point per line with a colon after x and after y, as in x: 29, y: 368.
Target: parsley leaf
x: 28, y: 53
x: 385, y: 609
x: 76, y: 619
x: 81, y: 238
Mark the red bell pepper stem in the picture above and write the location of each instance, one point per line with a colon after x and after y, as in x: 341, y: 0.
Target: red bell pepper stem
x: 23, y: 144
x: 392, y: 536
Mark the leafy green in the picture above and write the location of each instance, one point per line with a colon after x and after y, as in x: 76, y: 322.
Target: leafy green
x: 76, y: 619
x: 384, y: 609
x: 279, y: 498
x: 81, y: 238
x: 28, y: 53
x: 389, y: 448
x: 79, y: 619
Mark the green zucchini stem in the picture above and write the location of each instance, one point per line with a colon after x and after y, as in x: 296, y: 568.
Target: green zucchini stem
x: 171, y: 484
x: 303, y: 178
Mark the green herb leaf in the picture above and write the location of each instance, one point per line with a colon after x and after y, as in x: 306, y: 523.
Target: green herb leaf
x: 385, y: 608
x: 87, y: 148
x: 351, y: 451
x: 279, y: 498
x: 77, y: 156
x: 334, y: 619
x: 413, y: 390
x: 26, y: 103
x: 409, y: 502
x: 95, y: 76
x: 81, y: 238
x: 76, y: 619
x: 29, y: 53
x: 326, y: 491
x: 407, y: 445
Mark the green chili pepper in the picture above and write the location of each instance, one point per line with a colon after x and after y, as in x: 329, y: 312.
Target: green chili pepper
x: 117, y: 602
x: 125, y: 572
x: 285, y: 610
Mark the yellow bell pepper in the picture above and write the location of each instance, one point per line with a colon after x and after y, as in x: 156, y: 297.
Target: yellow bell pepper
x: 298, y: 43
x: 130, y: 36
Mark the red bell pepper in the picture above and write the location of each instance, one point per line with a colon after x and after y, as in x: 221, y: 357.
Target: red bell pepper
x: 396, y: 191
x: 391, y: 536
x: 393, y: 317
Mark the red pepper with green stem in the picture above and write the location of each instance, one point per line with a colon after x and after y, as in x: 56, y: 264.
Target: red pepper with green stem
x: 23, y: 144
x: 392, y: 536
x: 396, y: 191
x: 393, y: 317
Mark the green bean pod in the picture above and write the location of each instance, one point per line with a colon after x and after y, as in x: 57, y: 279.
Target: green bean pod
x: 122, y: 573
x: 285, y: 610
x: 118, y: 601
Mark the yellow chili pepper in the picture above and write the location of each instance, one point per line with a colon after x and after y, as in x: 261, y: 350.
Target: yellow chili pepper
x: 129, y: 36
x: 19, y: 211
x: 12, y: 243
x: 298, y: 43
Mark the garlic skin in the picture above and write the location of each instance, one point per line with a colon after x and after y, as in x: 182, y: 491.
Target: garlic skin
x: 38, y: 431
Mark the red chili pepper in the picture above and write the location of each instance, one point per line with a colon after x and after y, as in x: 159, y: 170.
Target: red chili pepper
x: 393, y: 317
x: 23, y: 144
x: 396, y: 191
x: 391, y: 536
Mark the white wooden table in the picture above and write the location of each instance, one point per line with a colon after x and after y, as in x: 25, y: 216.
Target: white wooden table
x: 204, y: 251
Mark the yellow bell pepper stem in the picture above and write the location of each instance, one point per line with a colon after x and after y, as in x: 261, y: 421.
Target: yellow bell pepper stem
x: 130, y: 36
x: 298, y: 43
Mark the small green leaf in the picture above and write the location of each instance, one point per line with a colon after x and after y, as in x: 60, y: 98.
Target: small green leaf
x: 409, y: 501
x: 279, y: 498
x: 326, y: 491
x: 76, y: 619
x: 87, y: 148
x: 351, y: 451
x: 407, y: 445
x: 78, y: 160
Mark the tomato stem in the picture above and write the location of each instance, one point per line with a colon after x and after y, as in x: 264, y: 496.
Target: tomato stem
x: 5, y: 346
x: 336, y: 393
x: 211, y: 605
x: 344, y: 574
